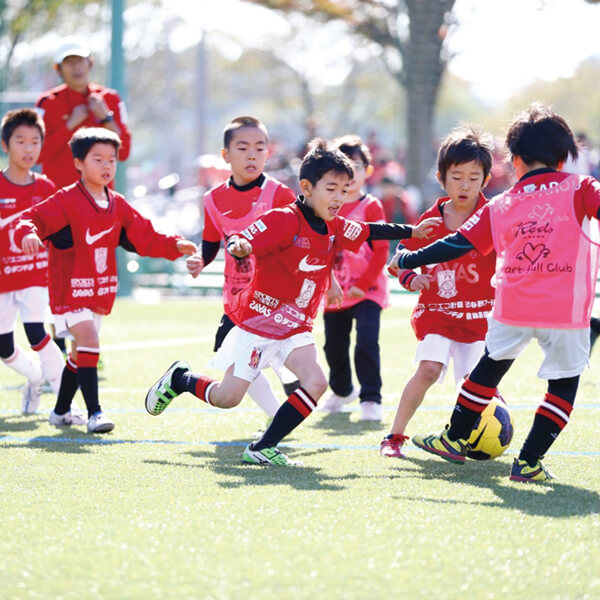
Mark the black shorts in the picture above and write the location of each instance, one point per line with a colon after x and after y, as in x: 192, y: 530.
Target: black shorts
x: 225, y: 326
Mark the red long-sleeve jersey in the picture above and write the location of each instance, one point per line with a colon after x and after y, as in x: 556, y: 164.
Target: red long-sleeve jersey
x: 56, y: 105
x: 82, y: 269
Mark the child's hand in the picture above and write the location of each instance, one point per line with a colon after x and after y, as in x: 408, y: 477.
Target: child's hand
x: 425, y: 228
x: 394, y: 266
x: 420, y: 282
x: 186, y: 247
x: 356, y: 292
x: 335, y: 294
x: 195, y: 264
x: 239, y: 246
x: 32, y: 244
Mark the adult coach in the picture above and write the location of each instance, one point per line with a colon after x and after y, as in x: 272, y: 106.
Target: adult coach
x: 74, y: 104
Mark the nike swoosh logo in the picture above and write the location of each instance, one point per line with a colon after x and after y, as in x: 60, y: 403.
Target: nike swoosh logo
x: 4, y: 222
x: 304, y: 266
x: 92, y: 239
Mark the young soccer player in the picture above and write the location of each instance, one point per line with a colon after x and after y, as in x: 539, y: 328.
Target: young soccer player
x: 84, y: 223
x: 231, y: 207
x: 294, y: 249
x: 450, y: 318
x: 365, y: 292
x: 542, y: 230
x: 24, y: 279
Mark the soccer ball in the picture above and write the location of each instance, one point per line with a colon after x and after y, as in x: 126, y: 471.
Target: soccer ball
x: 493, y: 431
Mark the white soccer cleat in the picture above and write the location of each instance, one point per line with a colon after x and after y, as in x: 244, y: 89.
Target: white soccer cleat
x: 334, y: 403
x: 72, y: 417
x: 99, y: 423
x: 371, y: 411
x: 31, y: 397
x: 161, y: 394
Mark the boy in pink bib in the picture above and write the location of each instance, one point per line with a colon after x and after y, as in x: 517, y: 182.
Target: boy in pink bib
x: 544, y: 230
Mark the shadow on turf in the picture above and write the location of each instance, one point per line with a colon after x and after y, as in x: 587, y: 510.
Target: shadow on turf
x: 552, y: 499
x: 335, y: 424
x: 18, y: 423
x: 226, y: 460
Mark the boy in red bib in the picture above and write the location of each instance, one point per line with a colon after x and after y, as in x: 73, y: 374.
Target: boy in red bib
x: 84, y: 223
x: 24, y: 279
x: 545, y: 233
x: 294, y: 248
x: 455, y: 297
x: 232, y: 206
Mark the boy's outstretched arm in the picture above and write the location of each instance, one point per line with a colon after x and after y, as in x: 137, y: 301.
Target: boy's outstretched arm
x: 397, y: 231
x: 448, y: 248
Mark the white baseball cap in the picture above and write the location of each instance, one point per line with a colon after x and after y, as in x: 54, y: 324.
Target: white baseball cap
x: 71, y: 46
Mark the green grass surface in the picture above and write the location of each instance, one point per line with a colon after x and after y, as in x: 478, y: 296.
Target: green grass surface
x: 164, y: 508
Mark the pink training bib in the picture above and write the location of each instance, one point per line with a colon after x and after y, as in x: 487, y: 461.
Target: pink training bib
x: 547, y: 262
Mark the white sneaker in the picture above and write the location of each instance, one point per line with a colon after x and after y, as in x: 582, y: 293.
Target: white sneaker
x: 31, y: 397
x: 73, y: 417
x: 99, y: 423
x: 371, y: 411
x: 334, y: 403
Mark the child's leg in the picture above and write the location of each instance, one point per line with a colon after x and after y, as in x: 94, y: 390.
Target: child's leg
x: 86, y: 351
x: 261, y: 392
x: 338, y: 325
x: 550, y: 419
x: 475, y: 394
x: 414, y: 391
x: 288, y: 380
x: 366, y: 351
x: 51, y: 357
x: 18, y: 360
x: 303, y: 362
x: 69, y: 384
x: 227, y: 393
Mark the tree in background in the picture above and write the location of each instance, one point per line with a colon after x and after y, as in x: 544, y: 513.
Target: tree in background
x: 411, y: 35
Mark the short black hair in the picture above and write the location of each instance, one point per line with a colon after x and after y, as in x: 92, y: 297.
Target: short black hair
x: 21, y: 116
x: 464, y: 144
x: 539, y: 135
x: 354, y: 148
x: 83, y: 139
x: 322, y: 158
x: 238, y: 123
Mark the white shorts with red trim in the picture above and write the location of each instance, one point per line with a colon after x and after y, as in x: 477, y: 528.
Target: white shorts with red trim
x: 251, y: 353
x: 31, y: 303
x: 437, y: 348
x: 566, y: 351
x: 66, y: 320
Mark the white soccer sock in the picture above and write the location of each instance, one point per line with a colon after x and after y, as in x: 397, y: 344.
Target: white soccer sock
x: 261, y: 392
x: 22, y: 363
x: 53, y: 363
x: 285, y: 374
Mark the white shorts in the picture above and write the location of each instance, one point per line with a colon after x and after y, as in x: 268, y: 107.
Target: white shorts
x: 566, y: 351
x: 440, y: 349
x: 31, y: 303
x: 66, y: 320
x: 251, y: 353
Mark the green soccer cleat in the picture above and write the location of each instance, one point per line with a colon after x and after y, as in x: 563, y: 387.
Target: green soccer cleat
x: 161, y: 394
x: 521, y: 471
x: 268, y: 456
x: 443, y: 446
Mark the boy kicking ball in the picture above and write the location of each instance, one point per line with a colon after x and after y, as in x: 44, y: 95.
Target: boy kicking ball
x: 544, y: 230
x: 294, y: 249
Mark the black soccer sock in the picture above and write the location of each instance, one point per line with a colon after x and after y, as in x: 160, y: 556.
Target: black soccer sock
x: 475, y: 393
x: 290, y: 414
x: 68, y: 386
x: 60, y: 342
x: 550, y: 419
x: 88, y: 382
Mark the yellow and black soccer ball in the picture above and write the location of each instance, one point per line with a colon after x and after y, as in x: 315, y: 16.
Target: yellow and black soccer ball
x: 493, y: 431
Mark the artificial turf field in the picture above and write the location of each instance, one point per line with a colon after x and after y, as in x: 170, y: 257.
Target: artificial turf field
x: 164, y: 508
